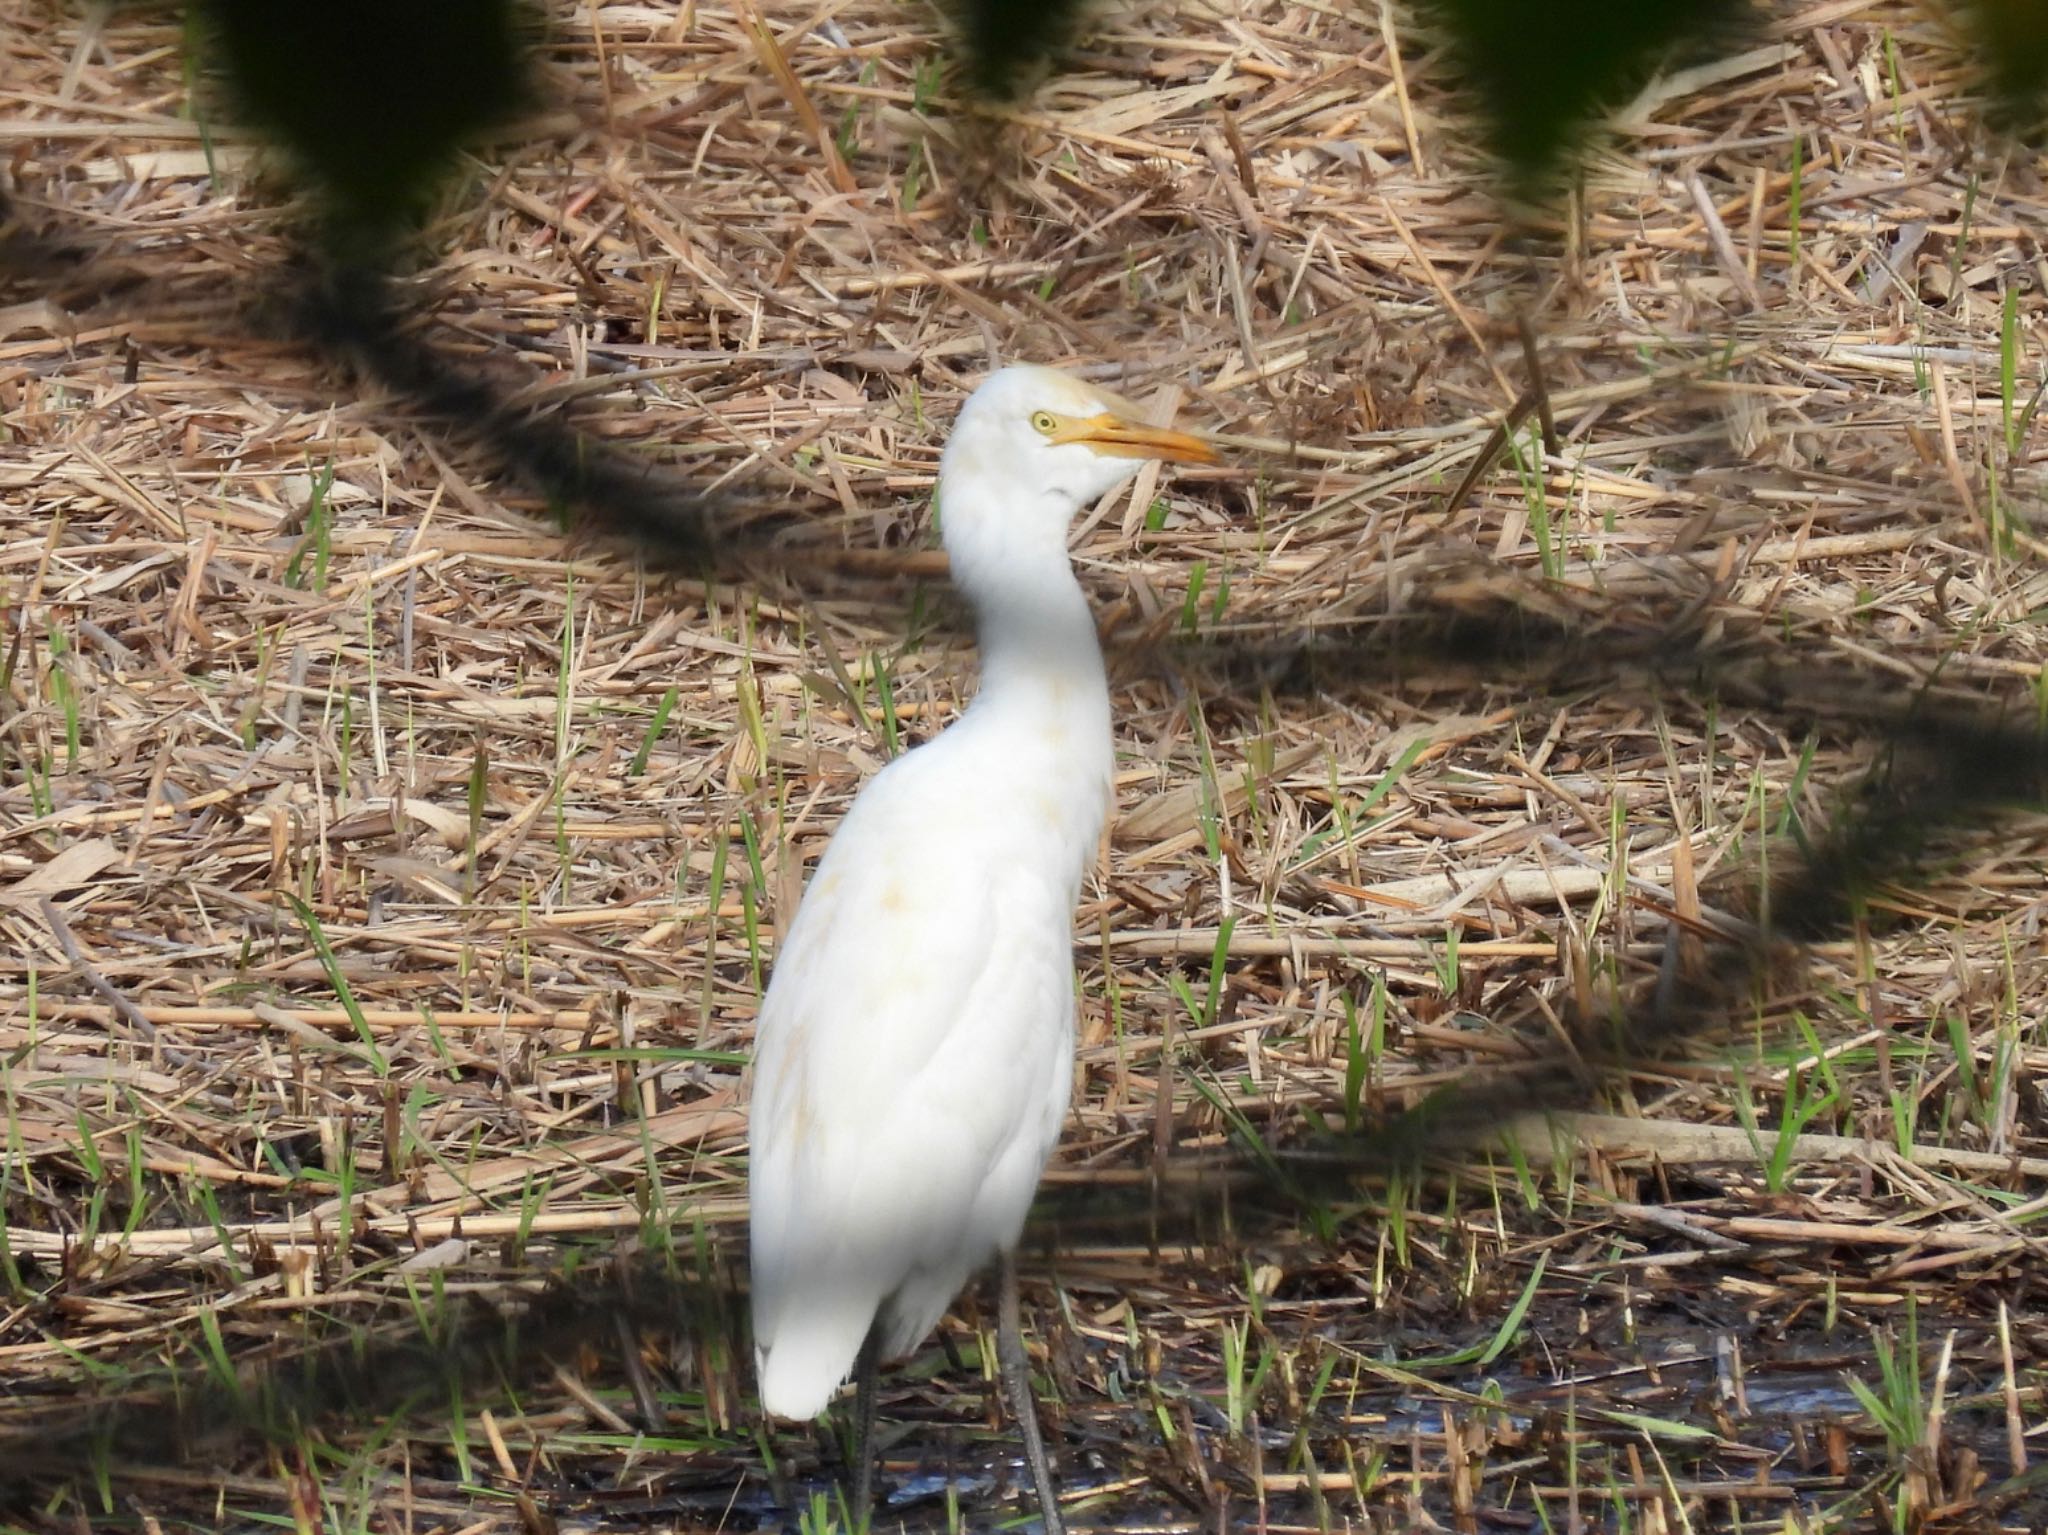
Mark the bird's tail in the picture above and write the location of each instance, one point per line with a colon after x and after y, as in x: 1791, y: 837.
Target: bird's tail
x: 811, y: 1351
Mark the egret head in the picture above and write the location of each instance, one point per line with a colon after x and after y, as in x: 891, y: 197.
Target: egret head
x: 1030, y: 448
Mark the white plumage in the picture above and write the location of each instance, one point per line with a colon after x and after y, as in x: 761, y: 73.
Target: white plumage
x: 914, y: 1053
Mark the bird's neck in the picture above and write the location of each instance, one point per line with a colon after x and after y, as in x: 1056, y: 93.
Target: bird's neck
x: 1041, y: 716
x: 1039, y: 724
x: 1038, y: 650
x: 1041, y: 669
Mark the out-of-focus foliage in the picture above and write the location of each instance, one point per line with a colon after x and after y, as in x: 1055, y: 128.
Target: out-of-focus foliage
x: 1005, y: 43
x: 370, y: 97
x: 1536, y: 72
x: 373, y: 97
x: 2012, y: 40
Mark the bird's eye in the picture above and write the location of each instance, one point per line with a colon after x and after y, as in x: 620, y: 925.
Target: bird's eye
x: 1044, y: 422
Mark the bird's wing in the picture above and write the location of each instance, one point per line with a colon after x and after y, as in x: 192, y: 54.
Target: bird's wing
x: 911, y: 1058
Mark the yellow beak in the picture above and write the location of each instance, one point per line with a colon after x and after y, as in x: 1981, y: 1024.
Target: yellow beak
x: 1118, y: 436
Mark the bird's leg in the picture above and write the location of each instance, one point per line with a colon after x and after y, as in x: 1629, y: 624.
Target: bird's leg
x: 1017, y: 1381
x: 864, y: 1425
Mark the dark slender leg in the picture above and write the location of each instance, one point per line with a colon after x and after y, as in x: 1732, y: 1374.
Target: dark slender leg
x: 864, y: 1426
x: 653, y: 1416
x: 1017, y: 1381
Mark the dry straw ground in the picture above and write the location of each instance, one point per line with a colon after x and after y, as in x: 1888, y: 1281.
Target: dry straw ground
x: 387, y: 884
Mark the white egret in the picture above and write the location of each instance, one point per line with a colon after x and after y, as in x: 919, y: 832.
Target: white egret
x: 915, y: 1051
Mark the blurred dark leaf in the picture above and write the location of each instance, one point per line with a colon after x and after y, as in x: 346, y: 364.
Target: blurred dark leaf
x: 2012, y: 39
x: 1536, y: 74
x: 1006, y: 42
x: 371, y: 97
